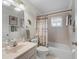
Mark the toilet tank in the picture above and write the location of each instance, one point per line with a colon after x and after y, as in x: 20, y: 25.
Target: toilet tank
x: 34, y: 40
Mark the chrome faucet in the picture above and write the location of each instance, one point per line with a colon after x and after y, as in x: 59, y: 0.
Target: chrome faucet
x: 12, y: 43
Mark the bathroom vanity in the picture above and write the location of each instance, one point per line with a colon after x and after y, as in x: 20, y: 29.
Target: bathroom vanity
x: 24, y: 50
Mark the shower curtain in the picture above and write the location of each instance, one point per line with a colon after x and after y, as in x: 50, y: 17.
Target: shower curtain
x: 42, y: 31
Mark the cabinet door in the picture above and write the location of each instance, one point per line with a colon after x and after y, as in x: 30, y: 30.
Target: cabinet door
x: 32, y: 54
x: 32, y: 57
x: 24, y: 56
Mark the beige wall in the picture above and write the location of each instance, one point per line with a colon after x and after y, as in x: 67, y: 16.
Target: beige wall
x: 58, y: 34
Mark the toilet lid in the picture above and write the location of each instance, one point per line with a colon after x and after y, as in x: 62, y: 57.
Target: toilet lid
x: 42, y: 48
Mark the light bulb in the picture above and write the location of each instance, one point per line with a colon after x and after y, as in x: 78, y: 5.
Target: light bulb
x: 21, y: 6
x: 10, y: 1
x: 6, y: 3
x: 17, y: 9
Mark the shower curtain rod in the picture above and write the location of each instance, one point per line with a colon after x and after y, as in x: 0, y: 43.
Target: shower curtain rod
x: 55, y: 13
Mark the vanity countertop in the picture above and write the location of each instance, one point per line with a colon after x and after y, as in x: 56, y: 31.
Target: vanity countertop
x: 14, y: 52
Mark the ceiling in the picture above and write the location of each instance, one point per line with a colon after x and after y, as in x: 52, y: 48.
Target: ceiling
x: 48, y: 6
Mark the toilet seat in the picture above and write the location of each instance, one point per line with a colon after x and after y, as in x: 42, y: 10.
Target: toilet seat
x: 42, y: 48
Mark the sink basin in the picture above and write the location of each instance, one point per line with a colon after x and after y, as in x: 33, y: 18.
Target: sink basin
x: 14, y: 49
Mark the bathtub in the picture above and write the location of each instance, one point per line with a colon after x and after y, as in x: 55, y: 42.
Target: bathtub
x: 60, y: 51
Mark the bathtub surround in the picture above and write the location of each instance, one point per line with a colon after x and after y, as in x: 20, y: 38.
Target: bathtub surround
x: 59, y: 34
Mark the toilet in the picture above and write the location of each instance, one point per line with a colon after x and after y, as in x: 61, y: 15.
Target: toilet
x: 42, y: 51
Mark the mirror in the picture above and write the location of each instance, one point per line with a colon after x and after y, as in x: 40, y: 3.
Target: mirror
x: 12, y: 21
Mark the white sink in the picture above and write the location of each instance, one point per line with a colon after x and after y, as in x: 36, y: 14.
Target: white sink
x: 15, y: 49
